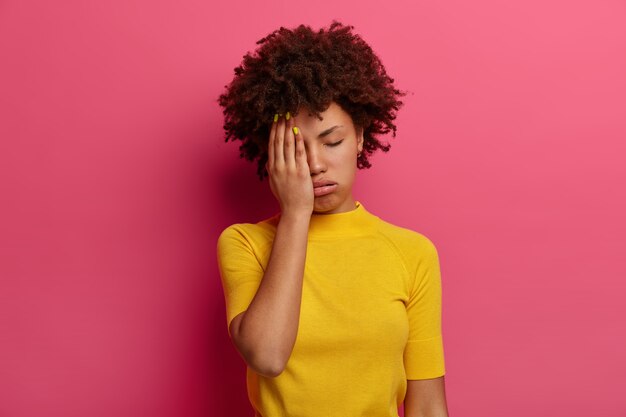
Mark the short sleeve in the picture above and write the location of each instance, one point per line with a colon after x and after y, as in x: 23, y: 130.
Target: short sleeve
x: 240, y: 271
x: 423, y: 354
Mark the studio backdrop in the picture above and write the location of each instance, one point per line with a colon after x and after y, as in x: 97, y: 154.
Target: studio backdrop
x: 115, y: 182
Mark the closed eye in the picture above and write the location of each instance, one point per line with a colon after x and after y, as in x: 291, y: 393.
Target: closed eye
x: 335, y: 144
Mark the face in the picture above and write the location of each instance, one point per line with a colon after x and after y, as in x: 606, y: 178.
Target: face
x: 332, y: 146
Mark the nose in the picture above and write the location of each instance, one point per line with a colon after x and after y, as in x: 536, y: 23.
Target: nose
x: 315, y: 161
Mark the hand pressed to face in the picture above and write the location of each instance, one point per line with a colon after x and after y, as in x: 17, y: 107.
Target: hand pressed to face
x: 332, y: 144
x: 287, y: 167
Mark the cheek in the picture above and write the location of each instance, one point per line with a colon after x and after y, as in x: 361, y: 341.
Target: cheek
x: 346, y: 164
x: 343, y: 160
x: 346, y: 154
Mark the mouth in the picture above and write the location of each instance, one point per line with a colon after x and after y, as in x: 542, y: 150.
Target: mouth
x: 324, y: 189
x: 323, y: 184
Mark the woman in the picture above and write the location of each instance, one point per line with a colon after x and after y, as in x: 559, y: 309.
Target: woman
x: 335, y: 311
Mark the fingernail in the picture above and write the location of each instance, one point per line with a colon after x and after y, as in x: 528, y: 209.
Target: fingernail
x: 295, y: 130
x: 276, y: 117
x: 287, y: 116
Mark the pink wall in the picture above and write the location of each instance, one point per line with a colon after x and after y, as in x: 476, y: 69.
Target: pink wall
x: 115, y: 183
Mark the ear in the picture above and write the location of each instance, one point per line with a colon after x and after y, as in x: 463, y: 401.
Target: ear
x: 359, y: 139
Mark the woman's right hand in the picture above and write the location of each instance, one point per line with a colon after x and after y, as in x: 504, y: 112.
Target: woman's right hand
x: 288, y: 169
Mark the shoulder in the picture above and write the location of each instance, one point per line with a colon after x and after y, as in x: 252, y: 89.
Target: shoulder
x: 406, y: 239
x: 250, y: 233
x: 417, y: 250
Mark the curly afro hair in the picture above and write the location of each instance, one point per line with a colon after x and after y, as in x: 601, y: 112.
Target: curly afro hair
x: 301, y: 68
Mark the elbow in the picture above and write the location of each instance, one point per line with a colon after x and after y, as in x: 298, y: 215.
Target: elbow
x: 273, y: 372
x: 267, y: 368
x: 261, y: 357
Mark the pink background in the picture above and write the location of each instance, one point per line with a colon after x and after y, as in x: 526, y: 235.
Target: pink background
x: 115, y: 183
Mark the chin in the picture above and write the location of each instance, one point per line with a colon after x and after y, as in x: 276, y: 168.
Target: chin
x: 324, y: 203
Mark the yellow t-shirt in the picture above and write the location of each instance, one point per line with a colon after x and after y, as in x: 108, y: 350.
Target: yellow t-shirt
x: 370, y: 316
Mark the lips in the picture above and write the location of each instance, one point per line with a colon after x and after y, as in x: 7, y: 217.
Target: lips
x: 324, y: 187
x: 322, y: 183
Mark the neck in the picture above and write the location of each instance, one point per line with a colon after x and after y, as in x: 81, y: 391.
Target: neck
x: 355, y: 222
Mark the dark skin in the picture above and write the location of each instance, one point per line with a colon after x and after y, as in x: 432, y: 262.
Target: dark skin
x: 426, y: 398
x: 274, y: 79
x: 291, y: 170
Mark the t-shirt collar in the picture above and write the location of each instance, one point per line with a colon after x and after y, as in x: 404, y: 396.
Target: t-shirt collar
x: 355, y: 222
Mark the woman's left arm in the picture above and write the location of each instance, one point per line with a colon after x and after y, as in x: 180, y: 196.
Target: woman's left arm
x: 425, y: 398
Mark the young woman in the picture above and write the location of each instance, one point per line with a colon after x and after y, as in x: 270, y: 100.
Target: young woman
x: 335, y: 311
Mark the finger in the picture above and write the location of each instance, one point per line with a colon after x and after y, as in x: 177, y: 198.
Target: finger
x: 279, y: 153
x: 300, y: 150
x: 270, y: 144
x: 289, y: 146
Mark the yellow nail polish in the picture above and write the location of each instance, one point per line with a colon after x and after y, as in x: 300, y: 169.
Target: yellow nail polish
x: 276, y: 117
x: 287, y: 116
x: 295, y: 130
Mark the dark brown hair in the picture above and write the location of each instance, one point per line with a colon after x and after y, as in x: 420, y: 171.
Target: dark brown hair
x: 299, y: 68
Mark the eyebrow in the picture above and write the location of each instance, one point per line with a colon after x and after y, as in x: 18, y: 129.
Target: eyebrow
x: 328, y: 131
